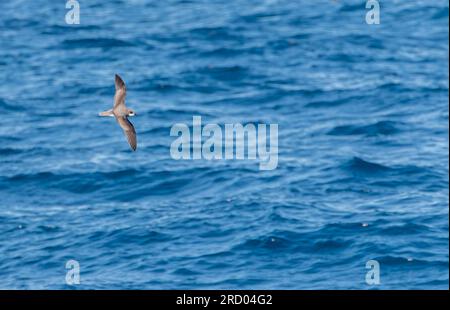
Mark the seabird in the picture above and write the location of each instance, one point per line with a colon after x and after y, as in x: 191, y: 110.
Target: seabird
x: 121, y: 112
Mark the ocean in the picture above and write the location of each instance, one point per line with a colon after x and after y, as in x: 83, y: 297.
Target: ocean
x: 362, y: 174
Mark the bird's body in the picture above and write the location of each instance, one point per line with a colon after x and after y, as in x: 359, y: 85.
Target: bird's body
x: 121, y: 113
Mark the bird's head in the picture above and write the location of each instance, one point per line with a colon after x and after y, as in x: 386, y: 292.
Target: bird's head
x: 131, y: 113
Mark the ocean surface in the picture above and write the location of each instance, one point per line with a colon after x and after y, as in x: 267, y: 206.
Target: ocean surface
x: 363, y: 145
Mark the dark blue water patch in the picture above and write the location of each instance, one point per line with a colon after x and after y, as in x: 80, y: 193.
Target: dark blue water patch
x: 185, y: 272
x: 225, y: 52
x: 440, y: 13
x: 95, y: 43
x: 18, y: 23
x: 334, y: 101
x: 351, y: 7
x: 398, y: 261
x: 257, y: 17
x: 341, y: 228
x: 331, y: 245
x: 364, y: 40
x: 270, y: 243
x: 53, y: 114
x: 163, y: 183
x: 378, y: 128
x: 160, y: 188
x: 405, y: 229
x: 216, y: 233
x: 7, y: 106
x: 283, y: 44
x: 160, y: 84
x: 359, y: 165
x: 47, y: 229
x: 127, y: 236
x: 62, y: 30
x: 71, y: 182
x: 340, y: 57
x: 9, y: 151
x: 214, y: 33
x: 377, y: 176
x: 300, y: 36
x: 283, y: 241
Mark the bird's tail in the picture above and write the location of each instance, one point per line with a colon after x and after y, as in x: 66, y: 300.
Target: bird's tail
x: 106, y: 113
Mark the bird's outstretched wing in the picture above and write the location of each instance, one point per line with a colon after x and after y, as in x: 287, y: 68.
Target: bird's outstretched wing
x: 129, y: 131
x: 121, y: 91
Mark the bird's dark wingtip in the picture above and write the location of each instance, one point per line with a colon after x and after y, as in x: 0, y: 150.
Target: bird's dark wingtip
x: 119, y: 82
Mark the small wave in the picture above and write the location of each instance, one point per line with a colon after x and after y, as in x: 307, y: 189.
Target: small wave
x: 185, y: 272
x: 347, y: 7
x: 128, y: 235
x: 441, y: 13
x: 12, y: 23
x: 58, y: 29
x: 213, y: 33
x: 95, y: 43
x: 221, y: 52
x: 265, y: 243
x: 394, y: 260
x: 331, y: 245
x: 360, y: 165
x: 9, y: 151
x: 5, y: 106
x: 225, y: 73
x: 379, y: 128
x: 404, y: 229
x: 77, y: 183
x: 331, y: 103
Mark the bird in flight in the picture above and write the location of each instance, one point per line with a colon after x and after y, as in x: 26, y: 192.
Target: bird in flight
x: 121, y: 113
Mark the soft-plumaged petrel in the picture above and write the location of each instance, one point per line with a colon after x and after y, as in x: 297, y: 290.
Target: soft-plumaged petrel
x: 121, y: 113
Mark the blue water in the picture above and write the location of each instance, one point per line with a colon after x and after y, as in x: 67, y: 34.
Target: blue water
x: 363, y: 145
